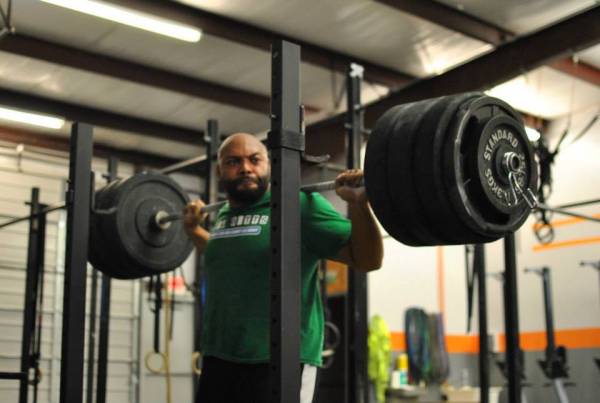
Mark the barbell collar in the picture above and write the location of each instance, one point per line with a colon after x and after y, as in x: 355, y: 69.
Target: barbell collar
x: 162, y: 219
x: 511, y: 162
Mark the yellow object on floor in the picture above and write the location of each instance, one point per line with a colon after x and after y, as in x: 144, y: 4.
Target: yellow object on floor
x: 379, y: 342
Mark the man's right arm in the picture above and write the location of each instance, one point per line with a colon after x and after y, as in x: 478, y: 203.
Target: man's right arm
x: 193, y: 219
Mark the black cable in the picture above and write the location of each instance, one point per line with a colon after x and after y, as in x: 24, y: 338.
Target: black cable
x: 6, y: 15
x: 150, y: 289
x: 586, y: 128
x: 562, y: 138
x: 157, y: 308
x: 579, y: 204
x: 543, y: 230
x: 194, y: 289
x: 38, y: 338
x: 172, y: 308
x: 337, y: 99
x: 331, y: 343
x: 470, y: 283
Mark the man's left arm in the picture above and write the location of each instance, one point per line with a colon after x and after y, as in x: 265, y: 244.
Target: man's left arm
x: 364, y: 250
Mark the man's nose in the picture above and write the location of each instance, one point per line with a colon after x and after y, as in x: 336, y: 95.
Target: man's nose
x: 246, y: 166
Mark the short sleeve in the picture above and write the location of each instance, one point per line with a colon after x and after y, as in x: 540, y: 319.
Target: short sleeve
x: 324, y: 230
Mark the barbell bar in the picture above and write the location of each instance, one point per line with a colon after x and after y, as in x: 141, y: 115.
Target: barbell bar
x: 510, y: 163
x: 43, y: 211
x: 163, y: 218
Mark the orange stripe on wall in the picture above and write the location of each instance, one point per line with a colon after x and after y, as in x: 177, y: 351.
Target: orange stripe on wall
x: 565, y: 244
x: 563, y: 222
x: 462, y: 343
x: 571, y: 338
x: 529, y: 341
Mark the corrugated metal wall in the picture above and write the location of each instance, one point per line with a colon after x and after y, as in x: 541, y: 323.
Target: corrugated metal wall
x: 19, y: 172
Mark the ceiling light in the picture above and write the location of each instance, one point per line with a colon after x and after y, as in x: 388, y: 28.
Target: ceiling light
x: 532, y: 134
x: 132, y: 18
x: 31, y: 118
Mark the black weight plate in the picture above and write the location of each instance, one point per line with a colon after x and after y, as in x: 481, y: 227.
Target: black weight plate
x: 147, y: 247
x: 104, y: 250
x: 463, y: 175
x: 96, y: 238
x: 401, y: 176
x: 427, y: 172
x: 376, y: 177
x: 439, y: 206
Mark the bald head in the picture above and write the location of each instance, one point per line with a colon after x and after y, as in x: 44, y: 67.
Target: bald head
x: 243, y: 141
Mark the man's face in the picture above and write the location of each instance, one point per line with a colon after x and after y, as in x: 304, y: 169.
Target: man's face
x: 244, y: 170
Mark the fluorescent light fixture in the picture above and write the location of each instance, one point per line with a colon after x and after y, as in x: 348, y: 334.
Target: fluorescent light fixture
x: 532, y: 134
x: 132, y: 18
x: 31, y: 118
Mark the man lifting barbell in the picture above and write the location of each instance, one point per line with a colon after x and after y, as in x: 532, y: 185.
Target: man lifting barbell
x: 453, y: 170
x: 446, y: 171
x: 236, y: 313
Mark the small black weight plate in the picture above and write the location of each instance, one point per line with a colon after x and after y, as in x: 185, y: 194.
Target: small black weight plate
x: 443, y: 209
x: 428, y: 162
x: 401, y: 178
x: 376, y: 177
x: 97, y: 240
x: 104, y: 251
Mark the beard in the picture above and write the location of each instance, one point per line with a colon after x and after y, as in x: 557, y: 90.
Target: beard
x: 245, y: 196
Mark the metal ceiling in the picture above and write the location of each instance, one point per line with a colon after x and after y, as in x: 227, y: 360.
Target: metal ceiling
x: 131, y: 82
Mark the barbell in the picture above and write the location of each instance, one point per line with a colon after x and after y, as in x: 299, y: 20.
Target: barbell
x: 444, y: 171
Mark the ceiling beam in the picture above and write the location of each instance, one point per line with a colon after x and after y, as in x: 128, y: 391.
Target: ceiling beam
x: 507, y: 61
x: 578, y: 69
x: 256, y: 37
x: 53, y: 142
x: 68, y: 56
x: 99, y: 117
x: 474, y: 27
x: 452, y: 19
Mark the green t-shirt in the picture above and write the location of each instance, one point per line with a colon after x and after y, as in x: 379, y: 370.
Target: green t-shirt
x: 236, y: 314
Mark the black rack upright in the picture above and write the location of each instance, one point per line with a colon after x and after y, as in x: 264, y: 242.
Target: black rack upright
x: 286, y: 142
x: 78, y: 213
x: 484, y: 349
x: 33, y: 279
x: 511, y: 320
x: 356, y: 304
x: 105, y: 295
x: 212, y: 141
